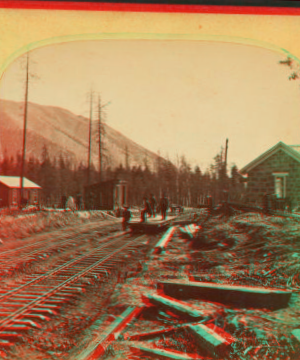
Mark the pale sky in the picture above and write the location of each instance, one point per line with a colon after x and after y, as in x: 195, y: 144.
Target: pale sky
x: 182, y: 97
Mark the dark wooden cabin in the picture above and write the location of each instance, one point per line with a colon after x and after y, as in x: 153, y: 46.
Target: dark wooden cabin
x: 10, y: 191
x: 106, y: 195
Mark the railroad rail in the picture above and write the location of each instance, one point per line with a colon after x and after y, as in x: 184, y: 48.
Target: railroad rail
x: 14, y: 258
x: 42, y: 295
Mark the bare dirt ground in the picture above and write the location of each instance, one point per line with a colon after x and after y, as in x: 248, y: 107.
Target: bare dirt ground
x: 245, y: 249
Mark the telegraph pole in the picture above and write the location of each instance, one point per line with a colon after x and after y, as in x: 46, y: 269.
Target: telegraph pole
x: 24, y: 130
x: 100, y: 138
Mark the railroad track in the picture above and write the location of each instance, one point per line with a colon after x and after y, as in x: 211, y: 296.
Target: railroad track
x: 28, y: 305
x: 13, y: 259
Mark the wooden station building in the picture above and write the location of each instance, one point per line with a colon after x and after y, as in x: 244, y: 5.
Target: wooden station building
x: 275, y: 172
x: 106, y: 195
x: 10, y: 191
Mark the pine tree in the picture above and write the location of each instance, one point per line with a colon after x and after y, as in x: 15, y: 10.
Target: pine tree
x: 5, y: 165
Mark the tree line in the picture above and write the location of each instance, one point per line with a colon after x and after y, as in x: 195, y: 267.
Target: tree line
x: 59, y: 176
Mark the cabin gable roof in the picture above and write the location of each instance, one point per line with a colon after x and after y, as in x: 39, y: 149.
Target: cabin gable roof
x: 13, y: 182
x: 289, y: 150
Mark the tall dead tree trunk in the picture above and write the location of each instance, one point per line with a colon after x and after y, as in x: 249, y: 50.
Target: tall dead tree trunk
x: 100, y: 139
x: 90, y: 140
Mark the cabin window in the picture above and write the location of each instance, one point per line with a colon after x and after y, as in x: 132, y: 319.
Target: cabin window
x: 34, y: 196
x: 280, y: 185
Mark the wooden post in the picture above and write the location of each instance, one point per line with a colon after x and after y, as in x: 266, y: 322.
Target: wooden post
x: 90, y: 140
x: 24, y: 130
x: 100, y: 139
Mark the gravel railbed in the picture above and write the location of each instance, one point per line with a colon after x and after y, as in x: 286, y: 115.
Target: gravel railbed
x: 72, y: 329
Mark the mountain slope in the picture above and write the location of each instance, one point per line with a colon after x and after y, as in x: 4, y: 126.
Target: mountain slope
x: 64, y: 133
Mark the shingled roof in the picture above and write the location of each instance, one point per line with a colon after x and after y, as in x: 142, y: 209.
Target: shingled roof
x: 291, y: 150
x: 14, y: 182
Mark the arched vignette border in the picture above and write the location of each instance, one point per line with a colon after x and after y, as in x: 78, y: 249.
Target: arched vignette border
x: 141, y: 36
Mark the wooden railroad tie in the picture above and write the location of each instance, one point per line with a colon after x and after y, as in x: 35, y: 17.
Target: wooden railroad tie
x: 190, y: 230
x: 176, y: 306
x: 111, y: 333
x: 162, y: 243
x: 242, y: 296
x: 296, y: 335
x: 169, y: 354
x: 212, y: 338
x: 150, y: 334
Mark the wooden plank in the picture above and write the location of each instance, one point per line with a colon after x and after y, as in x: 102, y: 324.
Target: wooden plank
x: 190, y: 230
x: 170, y: 354
x: 111, y: 333
x: 153, y: 221
x: 151, y: 226
x: 175, y: 305
x: 296, y: 335
x: 233, y: 294
x: 213, y: 339
x: 163, y: 242
x: 150, y: 334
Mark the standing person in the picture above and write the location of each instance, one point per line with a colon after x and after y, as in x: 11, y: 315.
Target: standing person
x: 146, y: 210
x: 126, y: 217
x: 164, y: 205
x: 63, y: 201
x: 153, y: 204
x: 79, y: 202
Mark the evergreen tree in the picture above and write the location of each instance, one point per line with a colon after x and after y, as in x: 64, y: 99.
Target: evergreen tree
x: 5, y: 164
x: 31, y: 169
x: 45, y: 174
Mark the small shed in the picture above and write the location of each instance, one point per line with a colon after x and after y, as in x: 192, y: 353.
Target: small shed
x: 106, y: 195
x: 10, y: 191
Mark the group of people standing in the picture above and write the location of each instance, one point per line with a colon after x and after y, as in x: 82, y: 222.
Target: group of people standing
x: 150, y: 207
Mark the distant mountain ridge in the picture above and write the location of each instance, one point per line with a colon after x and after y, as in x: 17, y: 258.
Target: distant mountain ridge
x: 64, y: 133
